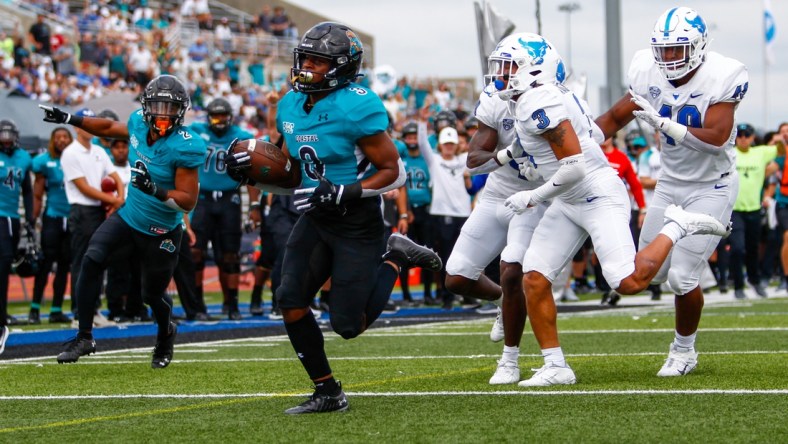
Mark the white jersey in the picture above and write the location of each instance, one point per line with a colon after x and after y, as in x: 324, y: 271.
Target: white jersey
x: 648, y: 165
x: 542, y: 109
x: 718, y: 79
x: 504, y: 181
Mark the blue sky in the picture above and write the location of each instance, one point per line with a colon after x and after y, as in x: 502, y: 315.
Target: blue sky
x: 438, y: 38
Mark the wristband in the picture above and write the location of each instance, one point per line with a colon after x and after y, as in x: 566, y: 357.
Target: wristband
x: 502, y: 157
x: 403, y: 216
x: 160, y: 193
x: 75, y: 120
x: 349, y: 192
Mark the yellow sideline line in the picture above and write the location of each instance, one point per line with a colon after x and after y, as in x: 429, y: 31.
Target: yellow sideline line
x: 211, y: 404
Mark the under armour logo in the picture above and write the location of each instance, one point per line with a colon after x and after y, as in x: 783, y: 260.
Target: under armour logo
x: 325, y: 198
x: 322, y: 117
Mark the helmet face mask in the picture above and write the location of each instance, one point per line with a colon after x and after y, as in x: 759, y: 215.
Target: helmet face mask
x: 220, y: 116
x: 328, y: 42
x: 520, y: 62
x: 679, y: 42
x: 9, y: 136
x: 164, y: 103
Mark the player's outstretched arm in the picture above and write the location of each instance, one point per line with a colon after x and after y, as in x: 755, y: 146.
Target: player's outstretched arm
x: 617, y: 117
x: 97, y: 126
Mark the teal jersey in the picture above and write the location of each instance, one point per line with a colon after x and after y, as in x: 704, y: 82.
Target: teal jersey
x: 50, y: 169
x: 418, y: 182
x: 213, y: 176
x: 181, y: 149
x: 324, y: 140
x: 13, y: 169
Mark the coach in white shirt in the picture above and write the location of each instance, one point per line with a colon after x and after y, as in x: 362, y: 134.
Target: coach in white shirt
x: 84, y: 166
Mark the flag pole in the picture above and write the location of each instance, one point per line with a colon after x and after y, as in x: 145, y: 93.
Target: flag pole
x: 765, y: 72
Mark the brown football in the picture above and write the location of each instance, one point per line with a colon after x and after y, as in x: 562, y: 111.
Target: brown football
x: 269, y: 164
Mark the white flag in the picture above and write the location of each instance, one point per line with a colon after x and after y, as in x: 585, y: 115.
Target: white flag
x: 769, y: 30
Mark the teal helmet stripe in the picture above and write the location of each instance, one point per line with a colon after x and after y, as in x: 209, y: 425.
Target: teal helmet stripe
x: 666, y: 31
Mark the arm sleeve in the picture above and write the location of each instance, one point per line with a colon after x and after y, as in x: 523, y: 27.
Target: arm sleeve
x: 424, y: 145
x: 569, y: 174
x: 398, y: 182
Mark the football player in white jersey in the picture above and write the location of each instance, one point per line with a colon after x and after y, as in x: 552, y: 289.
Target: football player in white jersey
x: 493, y: 229
x: 690, y: 95
x: 561, y: 143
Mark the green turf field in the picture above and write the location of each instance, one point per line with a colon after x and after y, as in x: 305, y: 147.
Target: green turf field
x: 425, y: 383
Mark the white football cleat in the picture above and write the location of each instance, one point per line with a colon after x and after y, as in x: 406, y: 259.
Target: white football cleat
x: 679, y: 363
x: 695, y: 223
x: 496, y: 333
x: 508, y: 372
x: 550, y: 375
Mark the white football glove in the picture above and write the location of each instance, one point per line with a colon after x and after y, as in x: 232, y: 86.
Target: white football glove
x: 649, y: 115
x: 520, y: 202
x: 528, y: 170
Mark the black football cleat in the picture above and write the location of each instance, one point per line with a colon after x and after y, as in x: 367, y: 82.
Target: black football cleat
x: 319, y: 403
x: 75, y: 348
x: 416, y: 255
x: 34, y: 317
x: 162, y: 352
x: 58, y: 317
x: 256, y: 308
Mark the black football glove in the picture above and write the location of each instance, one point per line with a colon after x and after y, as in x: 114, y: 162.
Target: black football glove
x: 327, y: 195
x: 143, y: 181
x: 237, y: 163
x: 55, y: 115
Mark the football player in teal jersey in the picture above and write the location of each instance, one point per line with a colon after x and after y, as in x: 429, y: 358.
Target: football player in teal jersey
x: 336, y: 130
x: 55, y: 238
x: 15, y: 164
x: 217, y: 217
x: 166, y: 157
x: 419, y: 199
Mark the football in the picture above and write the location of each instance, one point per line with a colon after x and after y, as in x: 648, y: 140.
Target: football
x: 269, y: 165
x: 108, y: 185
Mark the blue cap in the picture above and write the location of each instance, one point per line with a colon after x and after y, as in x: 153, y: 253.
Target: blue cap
x: 639, y: 141
x: 85, y: 112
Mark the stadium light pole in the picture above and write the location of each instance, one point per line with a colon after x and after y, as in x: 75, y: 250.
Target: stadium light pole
x: 569, y: 8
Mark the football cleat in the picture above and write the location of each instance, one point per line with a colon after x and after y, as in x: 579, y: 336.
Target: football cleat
x: 679, y: 363
x: 58, y: 317
x: 76, y: 347
x: 416, y: 255
x: 256, y: 308
x: 320, y: 403
x: 162, y: 352
x: 34, y: 317
x: 508, y: 372
x: 4, y: 332
x: 496, y: 332
x: 695, y: 223
x: 550, y: 375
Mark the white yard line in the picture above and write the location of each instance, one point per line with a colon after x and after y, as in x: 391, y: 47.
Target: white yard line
x: 114, y: 360
x: 406, y: 394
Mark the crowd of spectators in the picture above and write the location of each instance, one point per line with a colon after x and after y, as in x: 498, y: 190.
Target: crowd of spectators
x: 68, y: 57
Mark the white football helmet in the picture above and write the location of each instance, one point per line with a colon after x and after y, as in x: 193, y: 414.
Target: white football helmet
x: 520, y: 62
x: 679, y: 42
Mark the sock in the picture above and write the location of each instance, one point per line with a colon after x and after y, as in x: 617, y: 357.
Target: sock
x: 328, y: 387
x: 232, y: 298
x: 554, y: 356
x: 257, y: 292
x: 510, y: 353
x: 35, y: 306
x: 307, y: 341
x: 85, y: 334
x: 687, y: 342
x: 581, y: 281
x: 673, y: 231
